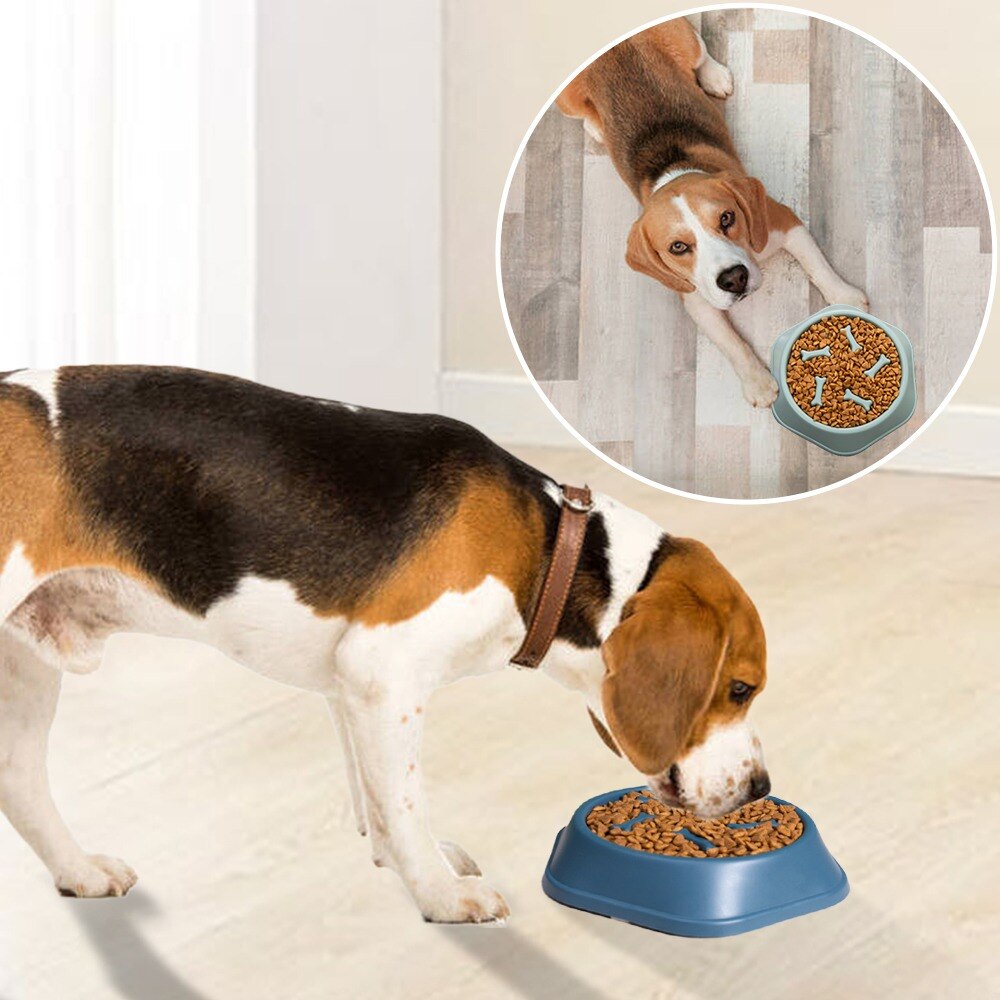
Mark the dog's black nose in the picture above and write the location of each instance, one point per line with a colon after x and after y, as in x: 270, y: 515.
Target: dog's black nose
x: 760, y: 785
x: 733, y: 279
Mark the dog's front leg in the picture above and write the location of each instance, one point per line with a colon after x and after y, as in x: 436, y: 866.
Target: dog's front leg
x: 385, y: 731
x: 339, y: 716
x: 759, y: 387
x: 798, y: 241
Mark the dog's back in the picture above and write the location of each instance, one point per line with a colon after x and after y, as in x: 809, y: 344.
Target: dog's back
x: 651, y: 106
x: 190, y: 481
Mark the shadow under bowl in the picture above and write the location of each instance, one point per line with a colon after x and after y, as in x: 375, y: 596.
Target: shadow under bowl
x: 693, y: 897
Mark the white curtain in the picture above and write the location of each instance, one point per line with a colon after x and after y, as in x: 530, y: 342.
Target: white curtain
x: 126, y: 183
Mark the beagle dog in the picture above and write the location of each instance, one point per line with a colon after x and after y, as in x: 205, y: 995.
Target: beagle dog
x: 368, y: 556
x: 705, y: 224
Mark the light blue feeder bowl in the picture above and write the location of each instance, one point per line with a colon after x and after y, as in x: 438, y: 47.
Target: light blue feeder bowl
x: 693, y: 897
x: 842, y: 440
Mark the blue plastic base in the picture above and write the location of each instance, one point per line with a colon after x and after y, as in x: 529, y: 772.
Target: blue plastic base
x: 693, y: 897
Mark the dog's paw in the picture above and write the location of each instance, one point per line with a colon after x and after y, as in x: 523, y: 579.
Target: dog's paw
x: 96, y: 876
x: 848, y: 295
x: 466, y: 900
x: 760, y: 389
x: 715, y: 79
x: 458, y: 860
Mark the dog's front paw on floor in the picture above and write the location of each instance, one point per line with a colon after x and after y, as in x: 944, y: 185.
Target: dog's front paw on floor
x: 96, y: 876
x: 848, y: 295
x: 466, y: 901
x: 760, y: 390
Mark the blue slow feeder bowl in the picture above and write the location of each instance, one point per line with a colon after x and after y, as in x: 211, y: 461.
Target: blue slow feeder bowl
x: 843, y: 440
x: 694, y: 897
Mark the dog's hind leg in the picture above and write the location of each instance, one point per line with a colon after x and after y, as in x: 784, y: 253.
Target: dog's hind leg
x: 574, y: 102
x: 29, y: 691
x: 714, y: 78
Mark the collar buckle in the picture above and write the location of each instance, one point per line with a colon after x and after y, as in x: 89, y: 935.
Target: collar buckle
x: 581, y: 503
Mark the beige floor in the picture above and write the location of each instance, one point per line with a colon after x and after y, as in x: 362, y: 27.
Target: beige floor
x: 866, y: 156
x: 227, y: 793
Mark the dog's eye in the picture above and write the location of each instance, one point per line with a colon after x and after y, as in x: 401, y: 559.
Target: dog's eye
x: 677, y: 248
x: 740, y: 692
x: 726, y: 220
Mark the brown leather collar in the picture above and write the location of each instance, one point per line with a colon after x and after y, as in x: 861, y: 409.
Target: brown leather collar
x: 576, y: 506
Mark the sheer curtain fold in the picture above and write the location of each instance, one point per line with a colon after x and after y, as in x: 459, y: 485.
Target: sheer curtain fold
x: 103, y: 180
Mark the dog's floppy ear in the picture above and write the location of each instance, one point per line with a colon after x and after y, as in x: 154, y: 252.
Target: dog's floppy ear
x: 662, y: 663
x: 751, y: 198
x: 641, y: 255
x: 606, y: 738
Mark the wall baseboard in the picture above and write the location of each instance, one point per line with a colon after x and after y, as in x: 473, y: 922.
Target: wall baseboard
x: 963, y: 441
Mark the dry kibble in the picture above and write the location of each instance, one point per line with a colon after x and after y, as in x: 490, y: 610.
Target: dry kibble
x: 844, y: 371
x: 773, y: 826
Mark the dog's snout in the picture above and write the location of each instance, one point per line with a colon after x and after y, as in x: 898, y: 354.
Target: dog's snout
x: 760, y: 785
x: 733, y: 279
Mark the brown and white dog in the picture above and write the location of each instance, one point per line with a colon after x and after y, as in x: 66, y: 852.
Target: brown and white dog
x: 368, y: 556
x: 705, y: 224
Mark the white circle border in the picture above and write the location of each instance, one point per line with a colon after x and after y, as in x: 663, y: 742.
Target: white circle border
x: 746, y: 501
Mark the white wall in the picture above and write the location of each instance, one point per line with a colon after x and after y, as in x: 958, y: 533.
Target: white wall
x: 348, y: 200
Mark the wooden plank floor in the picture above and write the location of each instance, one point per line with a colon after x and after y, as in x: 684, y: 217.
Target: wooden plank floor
x: 866, y: 156
x: 228, y: 795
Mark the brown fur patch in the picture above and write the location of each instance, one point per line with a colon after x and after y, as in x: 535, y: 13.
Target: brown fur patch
x: 37, y: 508
x: 490, y: 533
x: 780, y: 218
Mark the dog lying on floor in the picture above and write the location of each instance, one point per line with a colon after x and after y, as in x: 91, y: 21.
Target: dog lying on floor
x: 365, y: 555
x: 704, y: 224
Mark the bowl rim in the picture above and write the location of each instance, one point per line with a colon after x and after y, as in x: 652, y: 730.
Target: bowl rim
x: 579, y: 820
x: 901, y: 341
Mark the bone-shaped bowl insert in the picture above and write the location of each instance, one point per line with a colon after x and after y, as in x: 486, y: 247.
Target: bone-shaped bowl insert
x: 691, y: 896
x: 795, y: 416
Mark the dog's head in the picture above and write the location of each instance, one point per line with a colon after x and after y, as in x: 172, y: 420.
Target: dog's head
x: 699, y: 233
x: 682, y: 668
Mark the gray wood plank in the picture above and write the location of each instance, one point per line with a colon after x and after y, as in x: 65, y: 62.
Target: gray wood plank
x: 666, y: 356
x: 549, y: 317
x: 956, y: 281
x: 954, y: 195
x: 607, y: 315
x: 721, y: 469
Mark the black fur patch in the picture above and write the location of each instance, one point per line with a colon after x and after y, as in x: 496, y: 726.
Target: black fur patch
x: 667, y: 547
x: 205, y: 479
x: 591, y: 589
x: 649, y: 119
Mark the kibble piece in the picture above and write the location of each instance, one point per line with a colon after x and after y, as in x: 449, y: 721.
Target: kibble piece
x: 771, y: 826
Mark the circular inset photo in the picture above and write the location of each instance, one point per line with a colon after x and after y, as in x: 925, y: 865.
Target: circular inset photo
x: 746, y: 254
